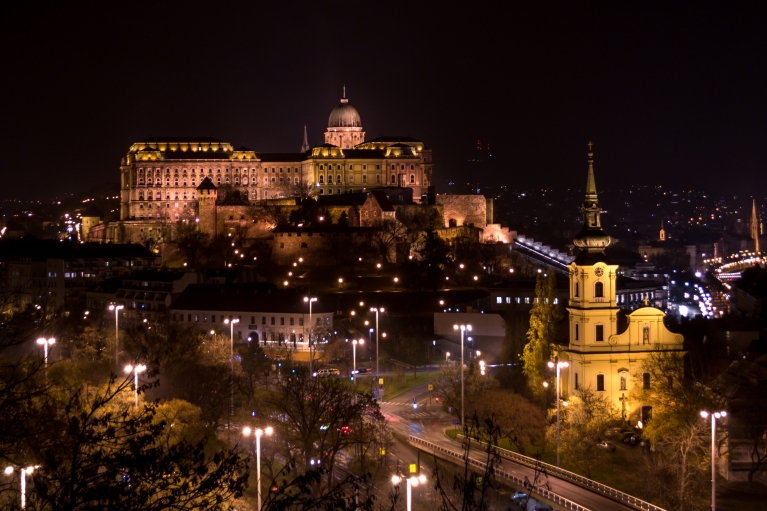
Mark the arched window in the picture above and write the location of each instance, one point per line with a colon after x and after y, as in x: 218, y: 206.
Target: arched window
x: 184, y: 181
x: 226, y: 179
x: 140, y: 195
x: 218, y: 180
x: 576, y: 291
x: 646, y: 334
x: 266, y: 181
x: 393, y: 179
x: 339, y: 179
x: 236, y: 181
x: 577, y: 384
x: 412, y: 178
x: 194, y: 182
x: 646, y: 381
x: 330, y: 191
x: 295, y: 180
x: 175, y: 182
x: 624, y: 376
x: 599, y: 290
x: 274, y: 179
x: 322, y: 167
x: 322, y: 180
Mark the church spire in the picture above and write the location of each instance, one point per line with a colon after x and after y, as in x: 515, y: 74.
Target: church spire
x: 755, y: 226
x: 305, y: 145
x: 591, y: 239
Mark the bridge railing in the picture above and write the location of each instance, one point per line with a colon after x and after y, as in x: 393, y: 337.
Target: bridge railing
x: 449, y: 453
x: 582, y: 481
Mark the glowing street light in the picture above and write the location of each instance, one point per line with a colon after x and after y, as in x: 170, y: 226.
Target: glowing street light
x: 116, y: 308
x: 714, y: 416
x: 411, y: 482
x: 377, y: 310
x: 135, y: 370
x: 310, y: 301
x: 231, y: 362
x: 46, y: 342
x: 463, y: 328
x: 556, y: 363
x: 447, y: 356
x: 258, y: 433
x: 24, y: 473
x: 354, y: 353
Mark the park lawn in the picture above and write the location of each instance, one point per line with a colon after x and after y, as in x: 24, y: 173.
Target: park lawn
x: 396, y: 384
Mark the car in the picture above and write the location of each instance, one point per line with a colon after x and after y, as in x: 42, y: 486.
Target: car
x: 327, y: 372
x: 364, y: 370
x: 607, y: 446
x: 519, y: 497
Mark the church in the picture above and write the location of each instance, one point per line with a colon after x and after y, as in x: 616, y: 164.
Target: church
x: 607, y: 346
x: 160, y: 176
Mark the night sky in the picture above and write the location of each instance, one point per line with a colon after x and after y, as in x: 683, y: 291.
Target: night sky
x: 670, y: 96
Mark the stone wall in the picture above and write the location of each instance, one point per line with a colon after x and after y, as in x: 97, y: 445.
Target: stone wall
x: 464, y: 210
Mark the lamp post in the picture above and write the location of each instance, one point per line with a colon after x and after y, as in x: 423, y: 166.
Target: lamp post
x: 556, y: 363
x: 463, y: 328
x: 714, y: 416
x: 116, y: 308
x: 411, y: 482
x: 231, y: 323
x: 258, y: 432
x: 24, y: 472
x: 135, y: 370
x: 46, y: 342
x: 377, y: 310
x: 310, y: 301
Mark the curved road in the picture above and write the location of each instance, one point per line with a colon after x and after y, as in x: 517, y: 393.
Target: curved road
x: 429, y: 421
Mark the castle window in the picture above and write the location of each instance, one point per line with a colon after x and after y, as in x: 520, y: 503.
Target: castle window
x: 280, y: 170
x: 393, y: 179
x: 266, y: 181
x: 599, y: 290
x: 175, y: 182
x: 295, y: 180
x: 351, y: 167
x: 600, y: 383
x: 378, y: 178
x: 266, y: 194
x: 322, y: 191
x: 351, y: 179
x: 322, y: 180
x: 412, y: 178
x: 412, y: 167
x: 364, y: 178
x: 599, y: 333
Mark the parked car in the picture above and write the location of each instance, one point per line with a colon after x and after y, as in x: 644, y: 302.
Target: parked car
x: 364, y: 370
x: 327, y: 372
x: 607, y: 446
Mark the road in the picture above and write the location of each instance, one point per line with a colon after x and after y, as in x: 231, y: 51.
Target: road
x: 429, y: 422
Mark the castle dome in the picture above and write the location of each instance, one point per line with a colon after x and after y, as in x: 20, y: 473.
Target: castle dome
x: 344, y: 115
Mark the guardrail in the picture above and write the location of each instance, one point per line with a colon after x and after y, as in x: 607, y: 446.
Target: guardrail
x: 582, y: 481
x: 547, y: 494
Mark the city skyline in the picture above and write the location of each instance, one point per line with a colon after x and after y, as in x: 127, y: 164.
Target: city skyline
x: 668, y: 97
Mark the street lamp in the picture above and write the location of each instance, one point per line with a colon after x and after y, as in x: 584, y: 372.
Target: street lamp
x: 231, y: 323
x: 46, y: 342
x: 116, y: 308
x: 714, y: 416
x: 464, y: 328
x: 556, y: 363
x: 377, y: 310
x: 259, y: 432
x: 135, y: 370
x: 24, y: 472
x: 411, y: 482
x: 447, y: 357
x: 310, y: 301
x: 354, y: 353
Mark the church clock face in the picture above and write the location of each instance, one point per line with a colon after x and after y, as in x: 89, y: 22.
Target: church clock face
x: 599, y: 272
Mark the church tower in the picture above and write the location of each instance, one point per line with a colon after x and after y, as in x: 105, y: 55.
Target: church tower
x: 344, y: 126
x: 662, y: 236
x: 755, y: 226
x: 305, y: 146
x: 605, y: 353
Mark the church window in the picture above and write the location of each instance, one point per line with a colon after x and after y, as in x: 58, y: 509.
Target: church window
x: 646, y: 334
x: 599, y: 290
x: 646, y: 381
x: 412, y: 178
x: 393, y: 179
x: 378, y: 178
x: 600, y: 383
x: 351, y: 179
x: 599, y: 333
x: 576, y: 292
x: 364, y: 178
x: 577, y: 331
x: 577, y: 383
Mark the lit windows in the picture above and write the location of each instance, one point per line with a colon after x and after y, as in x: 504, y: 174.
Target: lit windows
x: 599, y: 290
x: 600, y: 383
x: 599, y: 333
x: 364, y: 178
x: 412, y: 178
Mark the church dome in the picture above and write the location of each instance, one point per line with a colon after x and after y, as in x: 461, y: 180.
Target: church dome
x: 344, y: 115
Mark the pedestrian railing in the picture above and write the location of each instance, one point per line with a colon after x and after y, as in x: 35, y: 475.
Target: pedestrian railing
x: 582, y: 481
x: 498, y: 472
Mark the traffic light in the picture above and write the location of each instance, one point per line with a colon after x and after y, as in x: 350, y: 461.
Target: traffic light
x: 436, y: 399
x: 351, y: 378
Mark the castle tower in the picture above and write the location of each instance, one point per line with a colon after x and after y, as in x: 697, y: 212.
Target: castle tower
x: 344, y: 126
x: 603, y: 352
x: 755, y: 226
x: 206, y: 205
x: 662, y: 236
x: 305, y: 146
